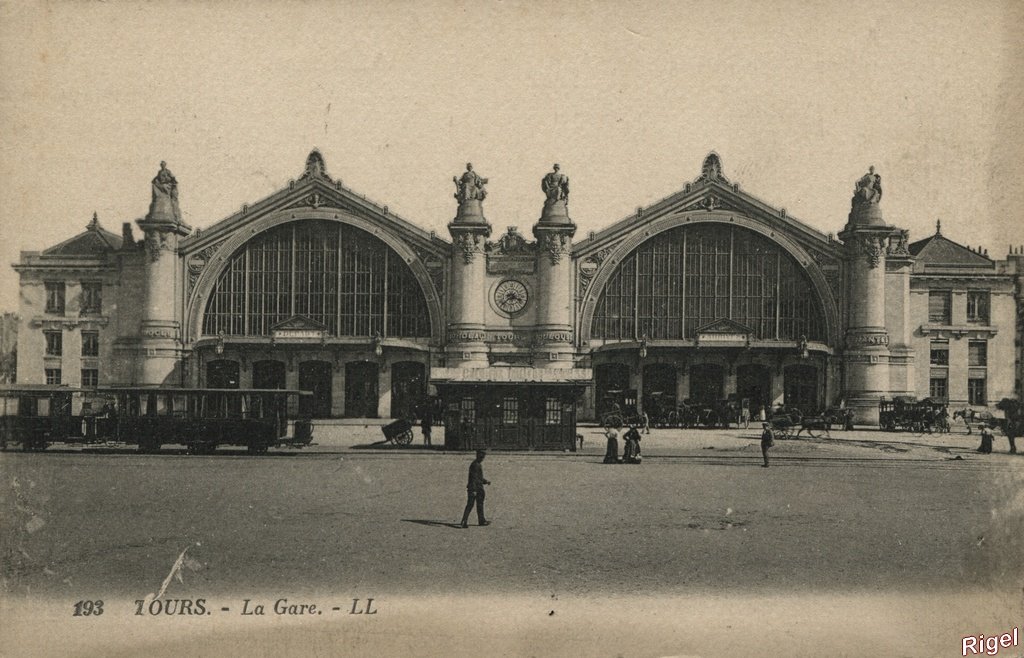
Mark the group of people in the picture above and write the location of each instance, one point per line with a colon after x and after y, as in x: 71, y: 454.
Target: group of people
x: 631, y: 448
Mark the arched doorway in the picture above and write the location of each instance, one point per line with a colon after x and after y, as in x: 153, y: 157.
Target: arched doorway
x: 315, y: 376
x: 801, y: 389
x: 222, y: 373
x: 361, y: 389
x: 268, y: 374
x: 611, y: 384
x: 408, y: 386
x: 659, y: 392
x: 706, y: 383
x: 754, y: 383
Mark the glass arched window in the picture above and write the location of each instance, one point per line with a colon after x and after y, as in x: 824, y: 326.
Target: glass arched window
x: 332, y: 273
x: 691, y: 276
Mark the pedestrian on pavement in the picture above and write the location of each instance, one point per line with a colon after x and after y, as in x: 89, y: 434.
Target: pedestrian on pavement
x: 745, y: 413
x: 767, y: 441
x: 631, y: 451
x: 611, y: 452
x: 646, y: 420
x: 986, y: 439
x: 426, y: 423
x: 475, y: 491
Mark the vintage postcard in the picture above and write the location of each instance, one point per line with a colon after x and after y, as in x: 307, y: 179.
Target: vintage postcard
x: 511, y: 329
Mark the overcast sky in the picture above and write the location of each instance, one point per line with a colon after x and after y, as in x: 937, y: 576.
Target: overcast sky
x: 798, y: 99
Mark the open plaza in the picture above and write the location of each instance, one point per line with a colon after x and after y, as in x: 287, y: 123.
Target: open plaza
x: 864, y: 541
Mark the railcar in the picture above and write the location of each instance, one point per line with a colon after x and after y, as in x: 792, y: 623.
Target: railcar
x: 150, y: 417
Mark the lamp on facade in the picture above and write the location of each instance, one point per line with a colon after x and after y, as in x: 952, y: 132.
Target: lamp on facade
x: 220, y: 342
x: 643, y: 346
x: 804, y: 353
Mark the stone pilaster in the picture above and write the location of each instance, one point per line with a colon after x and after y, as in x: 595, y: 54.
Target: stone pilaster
x: 554, y: 232
x: 160, y: 331
x: 866, y: 355
x: 898, y: 265
x: 469, y: 231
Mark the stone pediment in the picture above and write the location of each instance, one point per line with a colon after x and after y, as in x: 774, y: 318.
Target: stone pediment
x: 94, y: 241
x: 725, y: 326
x: 939, y: 251
x: 709, y: 196
x: 298, y: 328
x: 314, y: 190
x: 298, y: 322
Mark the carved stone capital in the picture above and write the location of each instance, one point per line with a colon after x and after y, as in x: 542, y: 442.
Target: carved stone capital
x: 555, y: 245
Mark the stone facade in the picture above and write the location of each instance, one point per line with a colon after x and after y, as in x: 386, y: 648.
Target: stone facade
x: 246, y: 301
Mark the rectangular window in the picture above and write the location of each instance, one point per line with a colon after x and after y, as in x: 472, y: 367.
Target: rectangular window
x: 468, y: 410
x: 54, y: 343
x: 90, y: 343
x: 940, y: 353
x: 55, y: 297
x: 938, y: 388
x: 90, y: 377
x: 53, y: 376
x: 552, y: 411
x: 978, y: 306
x: 939, y: 306
x: 92, y: 297
x: 509, y: 411
x: 977, y: 353
x: 976, y: 391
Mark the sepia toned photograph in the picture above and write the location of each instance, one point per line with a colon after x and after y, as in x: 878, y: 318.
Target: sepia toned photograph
x: 511, y: 329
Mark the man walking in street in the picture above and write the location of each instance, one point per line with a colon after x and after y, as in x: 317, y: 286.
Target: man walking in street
x: 475, y: 491
x: 426, y: 423
x: 767, y: 441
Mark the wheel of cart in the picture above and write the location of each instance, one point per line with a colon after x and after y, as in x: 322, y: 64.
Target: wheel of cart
x: 782, y: 426
x: 398, y: 432
x: 612, y: 420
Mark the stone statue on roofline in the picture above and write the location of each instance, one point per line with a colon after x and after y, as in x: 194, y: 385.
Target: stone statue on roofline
x: 164, y: 203
x: 555, y: 186
x: 470, y: 186
x: 868, y: 189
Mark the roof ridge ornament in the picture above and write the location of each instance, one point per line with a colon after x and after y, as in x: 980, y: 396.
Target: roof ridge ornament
x: 93, y: 225
x: 711, y: 170
x: 315, y: 167
x: 938, y: 227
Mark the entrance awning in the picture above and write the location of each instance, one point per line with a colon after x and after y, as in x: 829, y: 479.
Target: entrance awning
x: 512, y: 375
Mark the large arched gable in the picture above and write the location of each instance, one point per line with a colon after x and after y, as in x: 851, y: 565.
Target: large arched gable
x: 634, y: 240
x: 220, y: 261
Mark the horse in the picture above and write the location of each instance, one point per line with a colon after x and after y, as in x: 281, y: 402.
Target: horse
x: 968, y: 416
x: 815, y: 423
x: 1014, y: 425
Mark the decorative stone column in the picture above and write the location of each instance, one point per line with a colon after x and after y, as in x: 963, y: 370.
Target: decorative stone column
x: 898, y: 264
x: 469, y: 231
x: 554, y: 231
x: 160, y: 350
x: 866, y: 353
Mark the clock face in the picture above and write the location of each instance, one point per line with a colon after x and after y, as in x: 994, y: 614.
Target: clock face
x: 510, y: 296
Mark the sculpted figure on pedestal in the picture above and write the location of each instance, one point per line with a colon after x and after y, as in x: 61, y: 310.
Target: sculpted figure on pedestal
x: 868, y: 189
x: 470, y: 186
x: 164, y: 204
x: 555, y: 186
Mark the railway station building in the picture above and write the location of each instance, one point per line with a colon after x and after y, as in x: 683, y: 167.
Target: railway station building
x: 704, y: 295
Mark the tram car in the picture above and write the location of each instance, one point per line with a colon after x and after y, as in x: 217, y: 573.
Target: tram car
x: 909, y: 414
x: 150, y: 417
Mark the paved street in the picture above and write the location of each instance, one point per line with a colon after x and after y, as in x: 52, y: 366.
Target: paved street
x: 860, y: 514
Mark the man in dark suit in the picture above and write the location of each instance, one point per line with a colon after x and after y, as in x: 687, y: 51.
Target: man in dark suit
x: 475, y: 490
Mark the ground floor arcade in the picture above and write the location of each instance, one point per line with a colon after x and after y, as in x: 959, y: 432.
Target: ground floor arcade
x: 346, y: 381
x: 663, y: 378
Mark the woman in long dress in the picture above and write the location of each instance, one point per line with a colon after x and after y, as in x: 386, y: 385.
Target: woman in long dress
x: 611, y: 453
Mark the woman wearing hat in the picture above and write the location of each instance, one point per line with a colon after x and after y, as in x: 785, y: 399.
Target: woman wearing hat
x: 986, y: 439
